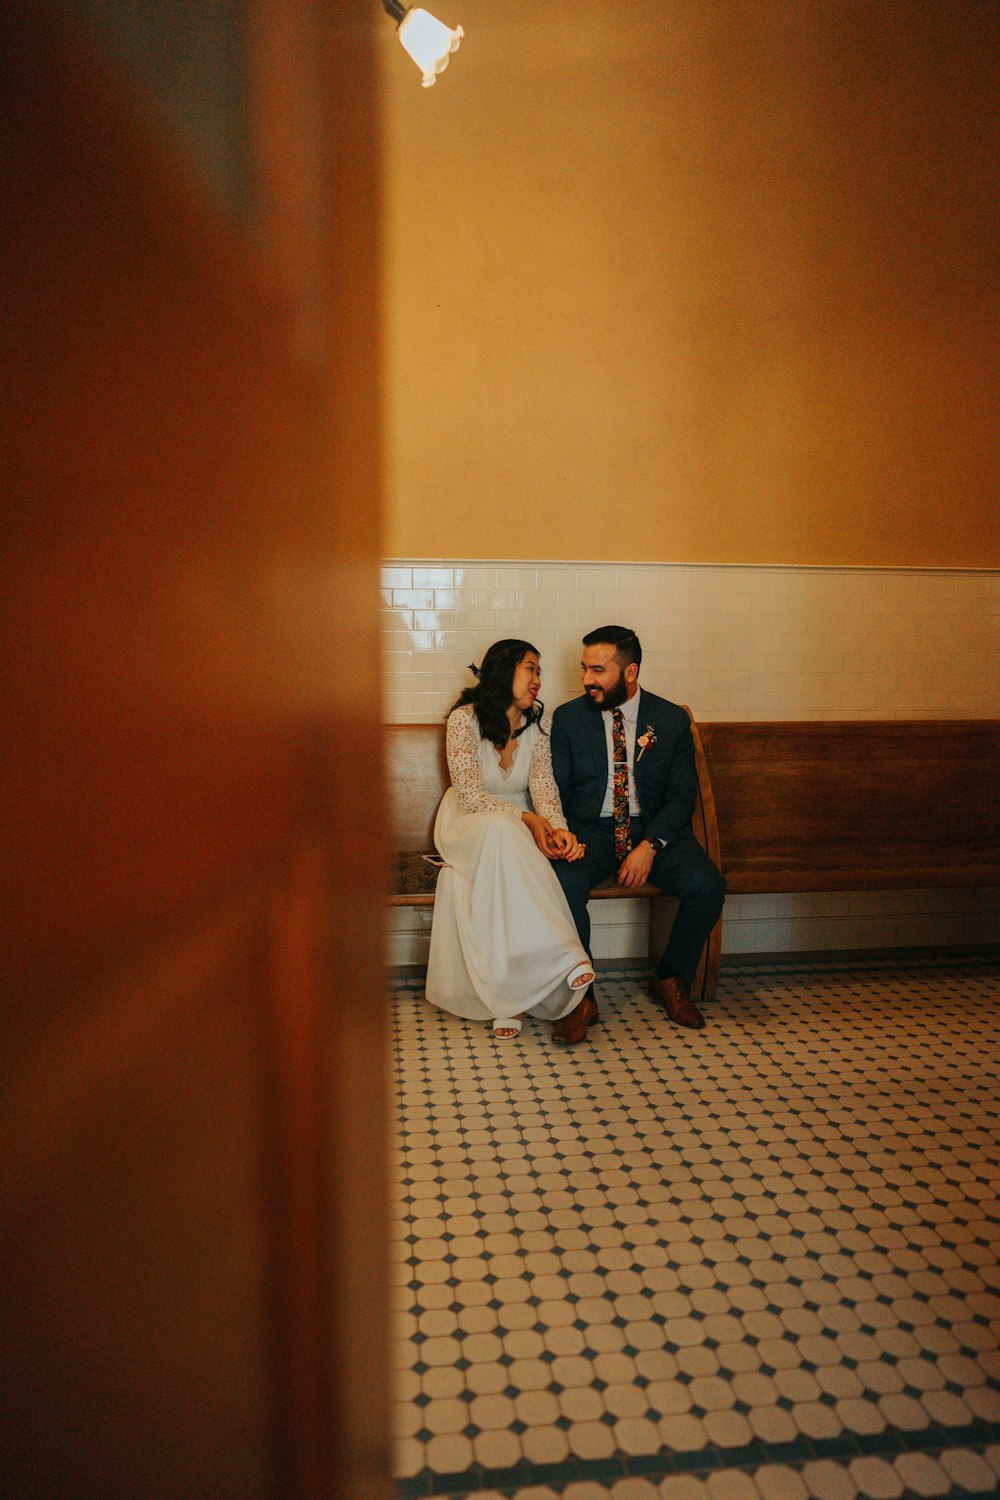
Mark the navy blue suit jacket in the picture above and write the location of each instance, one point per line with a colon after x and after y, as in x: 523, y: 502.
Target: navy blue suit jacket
x: 666, y: 776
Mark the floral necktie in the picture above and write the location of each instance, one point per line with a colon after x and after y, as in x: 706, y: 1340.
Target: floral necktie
x: 619, y: 807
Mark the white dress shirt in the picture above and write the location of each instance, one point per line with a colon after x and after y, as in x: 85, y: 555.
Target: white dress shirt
x: 630, y: 714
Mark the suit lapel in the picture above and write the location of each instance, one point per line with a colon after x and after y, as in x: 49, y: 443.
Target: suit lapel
x: 639, y: 763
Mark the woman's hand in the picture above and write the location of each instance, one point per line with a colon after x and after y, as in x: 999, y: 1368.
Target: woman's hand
x: 566, y: 845
x: 541, y: 831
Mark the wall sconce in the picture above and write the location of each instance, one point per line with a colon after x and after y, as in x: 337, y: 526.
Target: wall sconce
x: 428, y: 41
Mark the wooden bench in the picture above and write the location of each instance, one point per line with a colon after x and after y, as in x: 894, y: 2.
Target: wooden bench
x: 846, y: 805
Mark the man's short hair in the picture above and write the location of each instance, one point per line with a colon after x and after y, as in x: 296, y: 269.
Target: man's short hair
x: 625, y: 642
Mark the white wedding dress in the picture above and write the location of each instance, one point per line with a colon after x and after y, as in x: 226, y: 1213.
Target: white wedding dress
x: 503, y: 942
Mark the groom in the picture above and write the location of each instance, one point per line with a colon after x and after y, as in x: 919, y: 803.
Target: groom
x: 625, y: 767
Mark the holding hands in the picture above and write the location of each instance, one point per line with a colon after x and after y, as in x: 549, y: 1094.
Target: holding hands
x: 566, y: 845
x: 555, y: 843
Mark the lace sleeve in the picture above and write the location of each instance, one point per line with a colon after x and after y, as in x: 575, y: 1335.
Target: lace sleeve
x: 463, y: 766
x: 541, y: 782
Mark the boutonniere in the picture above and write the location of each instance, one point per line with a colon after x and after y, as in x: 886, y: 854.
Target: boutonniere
x: 645, y: 740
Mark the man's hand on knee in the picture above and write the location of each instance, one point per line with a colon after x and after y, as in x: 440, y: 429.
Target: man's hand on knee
x: 635, y: 867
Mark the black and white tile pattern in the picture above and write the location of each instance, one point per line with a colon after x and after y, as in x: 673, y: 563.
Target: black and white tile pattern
x: 759, y: 1262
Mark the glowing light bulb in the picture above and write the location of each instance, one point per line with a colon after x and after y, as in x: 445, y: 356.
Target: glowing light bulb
x: 429, y: 42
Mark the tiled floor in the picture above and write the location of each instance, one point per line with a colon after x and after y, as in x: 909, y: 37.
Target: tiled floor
x: 758, y: 1262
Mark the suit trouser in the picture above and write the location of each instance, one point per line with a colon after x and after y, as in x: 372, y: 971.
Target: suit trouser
x: 682, y: 869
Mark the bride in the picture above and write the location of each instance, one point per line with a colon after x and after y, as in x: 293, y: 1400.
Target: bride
x: 503, y: 942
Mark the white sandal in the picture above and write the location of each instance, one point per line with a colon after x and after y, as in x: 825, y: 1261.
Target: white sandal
x: 580, y: 977
x: 506, y: 1030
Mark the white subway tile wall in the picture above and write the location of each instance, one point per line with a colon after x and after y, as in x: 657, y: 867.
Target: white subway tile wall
x: 732, y: 643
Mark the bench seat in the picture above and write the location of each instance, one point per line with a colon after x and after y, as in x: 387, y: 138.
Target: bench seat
x: 414, y: 881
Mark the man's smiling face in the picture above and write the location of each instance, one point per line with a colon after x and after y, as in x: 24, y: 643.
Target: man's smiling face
x: 605, y: 682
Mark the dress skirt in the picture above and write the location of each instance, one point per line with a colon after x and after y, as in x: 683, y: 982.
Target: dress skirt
x: 502, y: 940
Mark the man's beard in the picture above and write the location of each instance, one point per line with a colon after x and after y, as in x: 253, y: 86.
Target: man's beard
x: 614, y: 697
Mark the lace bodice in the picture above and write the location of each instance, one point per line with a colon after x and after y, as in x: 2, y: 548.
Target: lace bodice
x: 482, y: 784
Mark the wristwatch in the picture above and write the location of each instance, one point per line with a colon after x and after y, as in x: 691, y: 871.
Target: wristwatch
x: 656, y: 845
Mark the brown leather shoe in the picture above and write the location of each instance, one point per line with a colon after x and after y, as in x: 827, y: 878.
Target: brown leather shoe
x: 573, y: 1028
x: 670, y: 994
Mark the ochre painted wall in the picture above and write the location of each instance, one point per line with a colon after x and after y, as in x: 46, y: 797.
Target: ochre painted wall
x: 724, y: 267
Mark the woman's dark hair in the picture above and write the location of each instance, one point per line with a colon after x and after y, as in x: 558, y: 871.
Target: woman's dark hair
x: 494, y: 691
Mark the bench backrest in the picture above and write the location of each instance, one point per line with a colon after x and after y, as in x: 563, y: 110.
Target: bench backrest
x: 847, y: 805
x: 853, y: 805
x: 418, y: 778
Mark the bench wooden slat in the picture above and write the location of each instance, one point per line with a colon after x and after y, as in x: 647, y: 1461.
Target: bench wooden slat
x: 852, y: 805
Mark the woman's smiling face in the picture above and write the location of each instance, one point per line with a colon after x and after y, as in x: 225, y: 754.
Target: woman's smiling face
x: 527, y: 681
